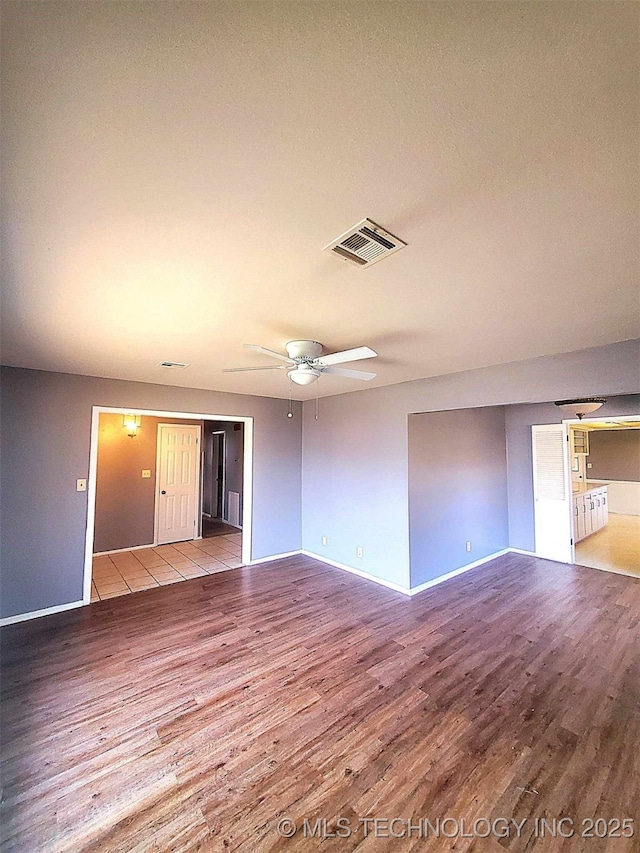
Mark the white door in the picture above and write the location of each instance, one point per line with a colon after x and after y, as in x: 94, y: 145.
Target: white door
x: 552, y: 492
x: 177, y: 483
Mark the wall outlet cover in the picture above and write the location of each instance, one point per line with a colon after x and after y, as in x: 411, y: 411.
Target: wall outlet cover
x: 146, y: 473
x: 81, y: 485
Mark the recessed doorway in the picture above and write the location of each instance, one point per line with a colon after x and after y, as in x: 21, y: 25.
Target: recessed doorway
x: 146, y: 492
x: 587, y: 492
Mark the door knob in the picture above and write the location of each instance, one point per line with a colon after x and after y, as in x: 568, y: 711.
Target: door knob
x: 163, y: 492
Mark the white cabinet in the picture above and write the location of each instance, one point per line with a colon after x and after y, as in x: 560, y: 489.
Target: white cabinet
x: 580, y: 442
x: 590, y: 512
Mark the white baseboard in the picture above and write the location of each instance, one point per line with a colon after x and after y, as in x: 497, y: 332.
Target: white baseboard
x: 389, y: 584
x: 274, y: 557
x: 442, y: 578
x: 121, y: 550
x: 35, y: 614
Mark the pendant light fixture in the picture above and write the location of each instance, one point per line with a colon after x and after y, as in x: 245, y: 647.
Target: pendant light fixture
x: 582, y: 407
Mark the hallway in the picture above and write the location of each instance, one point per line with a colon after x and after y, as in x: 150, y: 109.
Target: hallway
x: 130, y: 571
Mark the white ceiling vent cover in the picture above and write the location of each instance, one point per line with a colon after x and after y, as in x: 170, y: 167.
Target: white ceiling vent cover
x: 365, y: 244
x: 175, y: 365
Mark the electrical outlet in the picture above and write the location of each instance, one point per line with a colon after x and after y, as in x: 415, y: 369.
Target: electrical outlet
x: 81, y: 485
x: 589, y: 465
x: 468, y: 546
x: 359, y: 551
x: 146, y: 473
x: 324, y: 540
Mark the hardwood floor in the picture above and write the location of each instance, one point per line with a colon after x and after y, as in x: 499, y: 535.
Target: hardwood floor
x: 195, y: 717
x: 212, y: 527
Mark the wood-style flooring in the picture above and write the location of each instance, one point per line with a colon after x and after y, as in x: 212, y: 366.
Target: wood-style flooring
x: 212, y: 527
x: 195, y: 717
x: 615, y: 547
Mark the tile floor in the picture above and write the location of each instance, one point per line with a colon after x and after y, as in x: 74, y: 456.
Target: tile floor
x: 131, y: 571
x: 615, y: 548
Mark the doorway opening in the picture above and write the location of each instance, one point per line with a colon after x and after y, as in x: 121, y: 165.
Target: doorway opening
x: 146, y: 497
x: 222, y: 478
x: 587, y: 492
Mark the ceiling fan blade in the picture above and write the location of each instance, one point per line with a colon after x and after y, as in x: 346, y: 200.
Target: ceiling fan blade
x: 346, y: 355
x: 242, y: 369
x: 349, y: 374
x: 270, y: 352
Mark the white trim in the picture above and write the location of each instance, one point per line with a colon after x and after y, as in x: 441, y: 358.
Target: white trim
x: 247, y: 486
x: 389, y: 584
x: 35, y: 614
x: 525, y: 553
x: 273, y: 557
x: 607, y: 482
x: 120, y: 550
x: 441, y: 578
x: 596, y: 420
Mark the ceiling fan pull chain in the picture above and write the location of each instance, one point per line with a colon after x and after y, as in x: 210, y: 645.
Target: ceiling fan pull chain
x: 290, y: 413
x: 317, y: 402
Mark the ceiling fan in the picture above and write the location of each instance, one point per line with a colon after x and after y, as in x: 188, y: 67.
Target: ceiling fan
x: 305, y: 363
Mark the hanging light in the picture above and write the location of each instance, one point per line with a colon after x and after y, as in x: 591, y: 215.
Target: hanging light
x: 132, y: 424
x: 582, y: 407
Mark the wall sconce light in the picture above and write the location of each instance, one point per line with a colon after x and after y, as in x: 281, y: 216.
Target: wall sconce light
x: 580, y: 408
x: 132, y: 424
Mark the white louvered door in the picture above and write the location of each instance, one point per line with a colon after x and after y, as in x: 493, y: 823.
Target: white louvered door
x: 552, y: 492
x: 177, y: 483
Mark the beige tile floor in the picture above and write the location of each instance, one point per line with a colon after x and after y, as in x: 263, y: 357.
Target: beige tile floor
x: 131, y: 571
x: 616, y: 547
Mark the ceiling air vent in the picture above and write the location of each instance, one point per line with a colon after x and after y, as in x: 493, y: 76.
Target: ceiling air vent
x: 178, y: 365
x: 365, y: 244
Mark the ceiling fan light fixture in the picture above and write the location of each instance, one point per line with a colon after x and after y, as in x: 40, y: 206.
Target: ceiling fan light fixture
x: 582, y: 407
x: 303, y: 375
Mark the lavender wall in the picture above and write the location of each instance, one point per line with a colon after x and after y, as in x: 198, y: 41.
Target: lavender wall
x: 615, y: 454
x: 457, y: 489
x: 519, y: 420
x: 46, y: 420
x: 355, y: 457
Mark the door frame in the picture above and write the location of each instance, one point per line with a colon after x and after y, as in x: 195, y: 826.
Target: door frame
x: 569, y: 422
x: 247, y: 480
x: 197, y: 523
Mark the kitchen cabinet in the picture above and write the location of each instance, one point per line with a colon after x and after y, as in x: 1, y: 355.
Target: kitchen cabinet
x: 580, y: 442
x: 590, y: 512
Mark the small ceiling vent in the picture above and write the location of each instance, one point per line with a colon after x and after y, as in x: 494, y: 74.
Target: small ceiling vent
x: 177, y: 365
x: 365, y: 244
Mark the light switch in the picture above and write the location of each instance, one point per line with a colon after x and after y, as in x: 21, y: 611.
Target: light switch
x: 146, y: 473
x: 81, y: 485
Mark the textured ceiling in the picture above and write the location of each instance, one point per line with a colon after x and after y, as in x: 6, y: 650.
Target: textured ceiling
x: 171, y: 173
